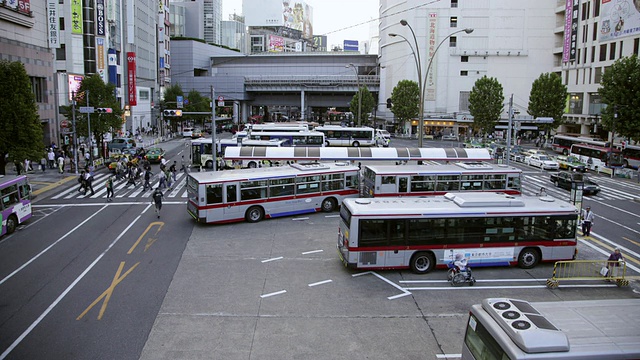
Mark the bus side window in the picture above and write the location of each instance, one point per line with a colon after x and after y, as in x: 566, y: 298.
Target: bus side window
x: 25, y: 191
x: 232, y: 195
x: 214, y: 194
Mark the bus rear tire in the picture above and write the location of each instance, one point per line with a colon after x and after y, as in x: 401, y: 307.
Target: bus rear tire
x: 329, y: 204
x: 355, y: 144
x: 422, y: 262
x: 528, y: 258
x: 209, y: 164
x: 254, y: 214
x: 12, y: 224
x: 252, y: 165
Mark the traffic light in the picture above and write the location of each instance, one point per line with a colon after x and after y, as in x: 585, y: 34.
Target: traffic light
x: 172, y: 112
x: 104, y: 110
x: 389, y: 104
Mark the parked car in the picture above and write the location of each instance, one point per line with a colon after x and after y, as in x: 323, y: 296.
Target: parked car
x: 564, y: 179
x: 121, y: 144
x: 155, y: 154
x: 542, y: 161
x: 571, y: 163
x: 450, y: 137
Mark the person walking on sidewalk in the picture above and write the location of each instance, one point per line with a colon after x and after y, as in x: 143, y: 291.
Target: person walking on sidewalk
x: 109, y: 185
x: 52, y: 158
x: 61, y: 163
x: 157, y: 200
x: 587, y: 221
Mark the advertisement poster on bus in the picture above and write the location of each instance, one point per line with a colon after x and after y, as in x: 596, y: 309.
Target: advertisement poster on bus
x: 500, y: 255
x: 619, y: 18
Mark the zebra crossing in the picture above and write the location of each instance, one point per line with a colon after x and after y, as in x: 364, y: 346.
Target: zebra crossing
x: 121, y: 190
x: 610, y: 189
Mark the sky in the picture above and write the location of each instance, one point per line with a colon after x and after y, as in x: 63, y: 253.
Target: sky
x: 338, y: 19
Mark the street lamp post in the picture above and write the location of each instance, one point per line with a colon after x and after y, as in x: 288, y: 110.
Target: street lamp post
x: 359, y: 92
x: 422, y: 83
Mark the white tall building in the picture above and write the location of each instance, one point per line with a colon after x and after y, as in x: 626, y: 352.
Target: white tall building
x: 511, y: 41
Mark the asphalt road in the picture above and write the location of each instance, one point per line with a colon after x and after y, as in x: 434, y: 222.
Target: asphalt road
x: 90, y: 280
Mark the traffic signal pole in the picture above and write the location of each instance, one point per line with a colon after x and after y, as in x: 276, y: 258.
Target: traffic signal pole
x: 75, y: 137
x: 213, y: 131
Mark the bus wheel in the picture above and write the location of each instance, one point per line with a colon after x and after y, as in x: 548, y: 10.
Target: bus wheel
x: 209, y: 164
x: 254, y: 214
x: 528, y: 258
x: 252, y: 165
x: 12, y: 223
x: 355, y: 144
x: 625, y: 164
x: 422, y: 262
x: 326, y: 143
x: 328, y: 204
x: 565, y: 152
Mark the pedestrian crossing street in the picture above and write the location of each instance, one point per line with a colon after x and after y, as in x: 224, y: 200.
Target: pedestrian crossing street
x: 121, y: 190
x: 611, y: 189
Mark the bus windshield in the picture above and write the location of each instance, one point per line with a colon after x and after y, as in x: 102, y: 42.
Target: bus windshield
x: 15, y: 202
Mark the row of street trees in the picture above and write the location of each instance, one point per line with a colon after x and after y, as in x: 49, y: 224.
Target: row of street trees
x: 620, y: 91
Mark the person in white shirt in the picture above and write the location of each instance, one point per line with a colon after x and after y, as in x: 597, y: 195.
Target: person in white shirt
x: 587, y: 221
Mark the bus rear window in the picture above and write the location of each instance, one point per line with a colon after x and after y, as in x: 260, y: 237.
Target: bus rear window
x: 345, y: 214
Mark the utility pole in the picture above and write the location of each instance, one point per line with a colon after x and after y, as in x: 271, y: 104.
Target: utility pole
x: 509, y: 128
x: 75, y: 137
x: 214, y: 148
x: 89, y: 128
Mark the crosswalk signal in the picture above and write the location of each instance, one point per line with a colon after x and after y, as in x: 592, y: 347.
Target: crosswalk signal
x: 172, y: 112
x: 104, y: 110
x: 389, y: 104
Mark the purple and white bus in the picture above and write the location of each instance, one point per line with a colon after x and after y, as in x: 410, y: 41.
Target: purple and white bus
x: 15, y: 202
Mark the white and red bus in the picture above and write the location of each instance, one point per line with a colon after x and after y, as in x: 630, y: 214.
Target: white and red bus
x: 426, y: 180
x: 489, y: 229
x: 255, y: 194
x: 597, y: 157
x: 562, y: 143
x: 631, y: 156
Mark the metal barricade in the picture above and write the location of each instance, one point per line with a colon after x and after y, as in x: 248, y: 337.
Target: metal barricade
x: 588, y: 270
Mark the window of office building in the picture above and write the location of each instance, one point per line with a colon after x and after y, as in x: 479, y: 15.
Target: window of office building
x: 593, y: 54
x: 464, y: 72
x: 575, y: 103
x: 453, y: 21
x: 636, y: 46
x: 453, y: 41
x: 603, y: 52
x: 598, y: 75
x: 454, y: 3
x: 612, y: 51
x: 578, y: 56
x: 620, y: 51
x: 61, y: 24
x: 595, y: 31
x: 39, y: 88
x: 596, y: 8
x: 61, y: 52
x: 464, y: 59
x: 463, y: 103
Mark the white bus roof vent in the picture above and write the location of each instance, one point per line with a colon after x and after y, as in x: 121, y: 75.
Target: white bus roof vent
x: 309, y: 166
x: 474, y: 165
x: 484, y: 199
x: 526, y: 326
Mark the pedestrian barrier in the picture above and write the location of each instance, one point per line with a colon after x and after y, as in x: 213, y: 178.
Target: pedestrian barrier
x: 588, y: 270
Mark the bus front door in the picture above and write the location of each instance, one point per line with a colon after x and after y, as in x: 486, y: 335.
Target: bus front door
x: 232, y: 209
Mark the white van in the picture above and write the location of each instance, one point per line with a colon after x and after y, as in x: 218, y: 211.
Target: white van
x: 383, y: 137
x: 187, y: 132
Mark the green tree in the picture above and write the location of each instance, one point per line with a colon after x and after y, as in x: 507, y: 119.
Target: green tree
x: 548, y: 99
x: 98, y: 94
x: 405, y: 98
x: 620, y: 90
x: 198, y: 103
x: 485, y: 104
x: 368, y: 102
x: 169, y: 102
x: 20, y: 128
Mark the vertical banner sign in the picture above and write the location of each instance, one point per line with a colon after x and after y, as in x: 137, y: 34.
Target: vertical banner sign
x: 131, y: 20
x: 131, y: 76
x: 76, y: 17
x: 110, y: 10
x: 432, y: 44
x: 574, y: 30
x: 53, y: 33
x: 100, y: 58
x: 112, y: 62
x: 567, y: 30
x: 100, y: 18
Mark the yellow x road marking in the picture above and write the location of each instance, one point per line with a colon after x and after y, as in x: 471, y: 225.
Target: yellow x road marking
x: 107, y: 293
